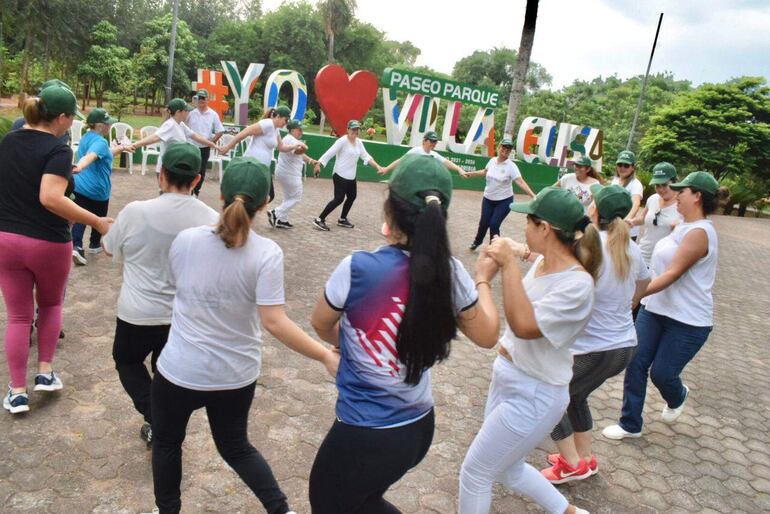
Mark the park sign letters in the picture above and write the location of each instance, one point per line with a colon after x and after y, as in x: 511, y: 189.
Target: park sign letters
x: 417, y: 83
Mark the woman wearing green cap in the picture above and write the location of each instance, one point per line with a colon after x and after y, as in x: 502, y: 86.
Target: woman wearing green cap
x: 393, y: 313
x: 214, y: 351
x: 93, y: 184
x: 35, y: 239
x: 428, y: 147
x: 500, y: 173
x: 581, y: 181
x: 625, y: 175
x: 545, y: 312
x: 347, y: 150
x: 264, y: 140
x: 660, y: 215
x: 174, y: 129
x: 677, y: 312
x: 608, y: 341
x: 288, y: 173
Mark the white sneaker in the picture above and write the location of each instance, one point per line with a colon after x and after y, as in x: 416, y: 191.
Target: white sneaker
x: 616, y: 432
x: 669, y: 415
x: 47, y: 382
x: 92, y: 249
x: 16, y: 402
x: 578, y: 510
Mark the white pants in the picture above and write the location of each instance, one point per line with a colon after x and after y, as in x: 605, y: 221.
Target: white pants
x: 521, y: 411
x: 291, y: 187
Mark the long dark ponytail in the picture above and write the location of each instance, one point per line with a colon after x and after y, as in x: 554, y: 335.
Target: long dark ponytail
x: 428, y: 325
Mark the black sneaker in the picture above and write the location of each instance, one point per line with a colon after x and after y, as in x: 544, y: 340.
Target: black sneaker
x: 146, y: 434
x: 283, y: 224
x: 473, y: 246
x: 79, y: 257
x: 271, y: 217
x: 61, y: 334
x: 343, y: 222
x: 319, y: 224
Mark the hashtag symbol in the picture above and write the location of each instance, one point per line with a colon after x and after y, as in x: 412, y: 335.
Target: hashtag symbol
x: 211, y: 81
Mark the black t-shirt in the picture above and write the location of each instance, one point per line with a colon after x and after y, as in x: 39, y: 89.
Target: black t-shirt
x: 25, y: 155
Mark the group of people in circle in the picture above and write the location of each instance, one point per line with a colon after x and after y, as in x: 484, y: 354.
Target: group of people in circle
x: 387, y: 315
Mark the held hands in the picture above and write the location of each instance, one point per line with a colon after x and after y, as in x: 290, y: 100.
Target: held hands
x: 317, y: 169
x: 381, y: 170
x: 224, y: 149
x: 103, y: 225
x: 505, y: 251
x: 464, y: 174
x: 486, y: 267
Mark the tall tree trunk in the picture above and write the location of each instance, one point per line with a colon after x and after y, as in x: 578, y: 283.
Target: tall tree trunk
x: 522, y: 66
x: 329, y: 60
x: 46, y: 56
x: 24, y: 83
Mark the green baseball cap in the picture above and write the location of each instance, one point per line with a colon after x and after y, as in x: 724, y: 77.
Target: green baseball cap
x: 248, y: 177
x: 701, y: 181
x: 626, y: 157
x: 56, y: 99
x: 611, y: 201
x: 295, y: 124
x: 662, y: 173
x: 559, y: 207
x: 99, y: 116
x: 430, y: 136
x: 353, y: 124
x: 183, y: 159
x: 584, y: 160
x: 54, y: 82
x: 507, y: 141
x: 202, y: 93
x: 416, y: 174
x: 283, y: 111
x: 178, y: 104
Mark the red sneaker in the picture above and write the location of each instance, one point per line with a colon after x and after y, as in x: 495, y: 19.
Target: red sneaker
x: 593, y: 465
x: 562, y: 472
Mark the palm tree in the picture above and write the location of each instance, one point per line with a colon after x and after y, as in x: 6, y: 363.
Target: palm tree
x: 336, y: 16
x: 522, y: 65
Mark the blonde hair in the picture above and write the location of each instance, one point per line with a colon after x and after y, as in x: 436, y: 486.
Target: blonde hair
x: 587, y: 248
x: 235, y: 223
x: 34, y: 112
x: 618, y: 237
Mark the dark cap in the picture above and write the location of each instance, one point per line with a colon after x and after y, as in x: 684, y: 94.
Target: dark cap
x: 178, y: 104
x: 612, y: 201
x: 99, y: 116
x: 248, y: 177
x: 430, y: 136
x: 202, y: 93
x: 353, y: 124
x: 294, y: 124
x: 584, y: 160
x: 283, y: 111
x: 662, y: 173
x: 417, y: 174
x: 626, y: 157
x: 182, y: 159
x: 701, y: 181
x: 57, y: 100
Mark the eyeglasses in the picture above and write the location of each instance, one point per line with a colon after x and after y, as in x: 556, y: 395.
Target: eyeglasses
x: 655, y: 219
x: 623, y: 165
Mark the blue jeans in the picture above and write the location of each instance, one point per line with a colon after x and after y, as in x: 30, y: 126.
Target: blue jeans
x: 493, y: 212
x: 667, y: 346
x: 98, y: 207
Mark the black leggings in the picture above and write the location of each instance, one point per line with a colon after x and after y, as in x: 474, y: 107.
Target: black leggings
x: 589, y: 372
x: 355, y: 466
x: 133, y: 343
x: 228, y: 413
x: 205, y: 155
x: 344, y: 189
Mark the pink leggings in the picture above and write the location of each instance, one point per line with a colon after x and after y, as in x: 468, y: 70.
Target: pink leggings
x: 27, y: 265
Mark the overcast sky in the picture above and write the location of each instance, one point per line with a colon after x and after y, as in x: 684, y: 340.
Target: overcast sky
x: 700, y: 40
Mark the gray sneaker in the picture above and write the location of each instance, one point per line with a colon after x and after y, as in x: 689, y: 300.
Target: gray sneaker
x: 79, y: 257
x: 343, y: 222
x: 16, y: 402
x: 319, y: 224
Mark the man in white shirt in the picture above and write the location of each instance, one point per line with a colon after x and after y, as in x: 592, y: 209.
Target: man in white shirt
x: 141, y: 238
x: 429, y: 141
x: 206, y: 123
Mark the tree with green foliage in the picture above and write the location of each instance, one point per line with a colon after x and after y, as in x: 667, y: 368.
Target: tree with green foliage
x: 336, y: 16
x: 495, y: 68
x: 106, y: 64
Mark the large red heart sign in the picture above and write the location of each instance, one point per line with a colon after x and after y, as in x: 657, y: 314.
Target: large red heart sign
x: 343, y: 98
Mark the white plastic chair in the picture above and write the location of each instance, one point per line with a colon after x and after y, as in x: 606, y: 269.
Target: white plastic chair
x: 123, y: 133
x: 221, y: 159
x: 152, y: 149
x: 76, y: 132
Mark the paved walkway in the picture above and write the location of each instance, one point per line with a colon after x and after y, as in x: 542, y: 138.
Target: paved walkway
x: 79, y: 451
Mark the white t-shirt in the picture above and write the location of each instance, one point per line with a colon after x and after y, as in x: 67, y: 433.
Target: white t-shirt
x: 654, y: 233
x: 500, y: 177
x: 215, y: 342
x: 581, y: 190
x: 289, y: 163
x: 347, y: 155
x: 169, y: 132
x: 562, y: 303
x: 688, y: 300
x: 262, y: 147
x: 205, y: 124
x: 634, y: 187
x: 140, y: 238
x: 611, y: 325
x: 419, y: 150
